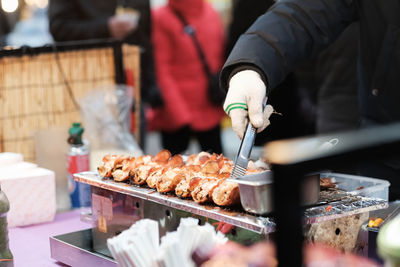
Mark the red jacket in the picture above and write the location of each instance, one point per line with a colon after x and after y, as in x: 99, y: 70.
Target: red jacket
x: 179, y: 71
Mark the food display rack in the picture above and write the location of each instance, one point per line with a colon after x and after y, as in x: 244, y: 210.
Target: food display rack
x: 117, y: 205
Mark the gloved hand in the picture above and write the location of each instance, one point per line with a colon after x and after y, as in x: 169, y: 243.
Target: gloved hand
x: 245, y: 98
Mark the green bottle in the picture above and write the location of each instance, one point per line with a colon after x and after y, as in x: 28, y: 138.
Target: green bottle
x: 6, y: 257
x: 75, y: 134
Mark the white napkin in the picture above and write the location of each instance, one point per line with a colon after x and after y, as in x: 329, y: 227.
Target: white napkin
x: 139, y: 245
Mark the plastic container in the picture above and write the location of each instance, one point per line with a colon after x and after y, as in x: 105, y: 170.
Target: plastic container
x: 360, y: 185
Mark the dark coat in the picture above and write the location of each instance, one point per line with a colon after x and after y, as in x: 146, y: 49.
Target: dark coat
x: 244, y: 13
x: 295, y: 30
x: 72, y: 20
x: 336, y: 76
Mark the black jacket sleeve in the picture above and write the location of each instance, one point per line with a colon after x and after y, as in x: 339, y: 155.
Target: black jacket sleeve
x: 290, y: 32
x: 67, y: 23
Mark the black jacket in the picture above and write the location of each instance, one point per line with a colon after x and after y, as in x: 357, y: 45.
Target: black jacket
x: 335, y: 73
x: 295, y: 30
x: 71, y: 20
x: 286, y: 98
x: 244, y: 13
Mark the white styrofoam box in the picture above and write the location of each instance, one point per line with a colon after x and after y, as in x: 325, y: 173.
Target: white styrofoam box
x: 11, y: 169
x: 7, y: 158
x: 32, y: 196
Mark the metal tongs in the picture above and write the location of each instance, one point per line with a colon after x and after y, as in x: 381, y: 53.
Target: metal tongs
x: 242, y: 158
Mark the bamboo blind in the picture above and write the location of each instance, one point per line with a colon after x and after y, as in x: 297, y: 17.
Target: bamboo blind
x: 131, y: 61
x: 34, y: 95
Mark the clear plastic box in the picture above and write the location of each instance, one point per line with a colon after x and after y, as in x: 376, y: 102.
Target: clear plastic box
x: 360, y: 185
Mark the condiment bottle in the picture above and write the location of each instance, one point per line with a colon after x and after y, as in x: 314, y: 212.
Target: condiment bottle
x: 6, y: 257
x: 78, y: 161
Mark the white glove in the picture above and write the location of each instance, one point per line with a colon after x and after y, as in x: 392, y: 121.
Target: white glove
x: 245, y: 98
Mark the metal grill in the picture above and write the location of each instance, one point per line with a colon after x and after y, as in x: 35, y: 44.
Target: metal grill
x: 332, y: 205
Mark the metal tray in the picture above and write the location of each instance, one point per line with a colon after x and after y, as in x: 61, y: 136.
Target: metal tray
x: 256, y: 191
x: 76, y: 249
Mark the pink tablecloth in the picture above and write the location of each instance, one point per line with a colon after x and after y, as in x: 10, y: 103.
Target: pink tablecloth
x: 30, y: 244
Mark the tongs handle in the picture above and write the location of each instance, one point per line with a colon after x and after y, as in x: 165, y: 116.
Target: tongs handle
x: 247, y: 144
x: 245, y: 148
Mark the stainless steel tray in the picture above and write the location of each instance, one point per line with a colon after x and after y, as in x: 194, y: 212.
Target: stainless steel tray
x: 237, y: 216
x: 76, y: 249
x: 256, y: 191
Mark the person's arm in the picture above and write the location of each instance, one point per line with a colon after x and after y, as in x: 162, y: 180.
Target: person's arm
x: 290, y: 32
x: 65, y: 25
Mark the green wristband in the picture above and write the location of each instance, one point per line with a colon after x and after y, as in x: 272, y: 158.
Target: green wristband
x: 235, y: 107
x: 235, y: 104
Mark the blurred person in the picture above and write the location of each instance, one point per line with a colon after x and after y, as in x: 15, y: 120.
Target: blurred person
x: 187, y: 111
x: 293, y: 31
x: 125, y: 20
x: 4, y: 27
x: 288, y: 99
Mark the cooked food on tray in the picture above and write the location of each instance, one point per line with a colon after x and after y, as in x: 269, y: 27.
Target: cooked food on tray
x: 226, y: 194
x: 201, y: 176
x: 107, y: 168
x: 375, y: 222
x: 326, y: 183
